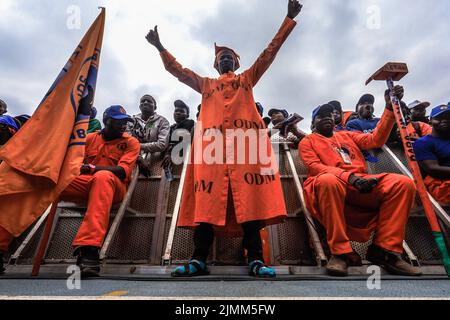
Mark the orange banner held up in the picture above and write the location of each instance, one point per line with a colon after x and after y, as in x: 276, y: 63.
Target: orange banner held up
x: 45, y: 155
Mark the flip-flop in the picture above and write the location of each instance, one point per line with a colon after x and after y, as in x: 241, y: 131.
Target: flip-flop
x: 259, y: 270
x: 185, y: 270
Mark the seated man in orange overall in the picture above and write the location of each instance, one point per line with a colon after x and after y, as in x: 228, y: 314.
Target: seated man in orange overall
x: 109, y: 160
x: 221, y: 194
x: 433, y: 154
x: 350, y: 203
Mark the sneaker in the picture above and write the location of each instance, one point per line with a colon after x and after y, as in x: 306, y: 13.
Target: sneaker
x: 392, y: 262
x: 88, y: 260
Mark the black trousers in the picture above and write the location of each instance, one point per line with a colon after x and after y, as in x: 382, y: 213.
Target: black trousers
x: 204, y: 237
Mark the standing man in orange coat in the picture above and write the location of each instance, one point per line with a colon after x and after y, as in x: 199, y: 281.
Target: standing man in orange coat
x: 350, y: 203
x: 225, y: 192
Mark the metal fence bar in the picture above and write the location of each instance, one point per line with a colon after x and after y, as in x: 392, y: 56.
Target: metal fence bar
x: 320, y: 255
x: 120, y: 214
x: 166, y: 258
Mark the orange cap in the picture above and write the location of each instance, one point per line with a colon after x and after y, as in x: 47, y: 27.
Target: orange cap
x: 219, y: 51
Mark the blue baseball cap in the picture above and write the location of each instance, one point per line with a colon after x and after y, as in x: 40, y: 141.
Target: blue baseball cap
x: 116, y: 112
x: 439, y: 110
x: 9, y: 121
x: 321, y: 110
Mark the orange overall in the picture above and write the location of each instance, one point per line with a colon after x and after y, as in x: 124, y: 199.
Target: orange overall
x: 228, y: 104
x: 345, y: 213
x: 101, y: 189
x: 439, y: 189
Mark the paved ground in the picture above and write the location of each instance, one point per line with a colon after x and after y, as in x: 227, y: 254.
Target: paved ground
x: 212, y: 289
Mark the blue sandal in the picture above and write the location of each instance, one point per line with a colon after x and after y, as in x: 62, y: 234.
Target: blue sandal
x: 259, y: 270
x: 191, y: 269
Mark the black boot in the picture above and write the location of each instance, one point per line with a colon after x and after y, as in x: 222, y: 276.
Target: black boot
x: 88, y: 260
x: 2, y: 268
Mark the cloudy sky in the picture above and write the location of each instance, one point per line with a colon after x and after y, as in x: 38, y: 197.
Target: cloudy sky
x: 335, y: 47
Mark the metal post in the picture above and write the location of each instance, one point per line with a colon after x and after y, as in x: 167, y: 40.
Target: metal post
x: 321, y: 258
x: 120, y: 214
x: 166, y: 258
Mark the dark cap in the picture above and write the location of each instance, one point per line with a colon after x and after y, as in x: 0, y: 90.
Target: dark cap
x: 366, y: 98
x: 283, y: 111
x: 336, y: 105
x: 322, y: 110
x: 116, y: 112
x: 181, y: 104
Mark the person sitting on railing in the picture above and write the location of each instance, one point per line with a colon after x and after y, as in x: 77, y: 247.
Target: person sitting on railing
x: 366, y: 121
x: 418, y: 111
x: 182, y: 123
x: 433, y: 154
x: 350, y: 203
x: 109, y: 160
x: 294, y: 134
x: 337, y: 115
x: 219, y: 195
x: 151, y: 129
x: 94, y: 124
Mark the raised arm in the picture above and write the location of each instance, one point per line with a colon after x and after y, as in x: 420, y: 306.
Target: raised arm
x: 185, y: 75
x: 380, y: 135
x: 266, y: 58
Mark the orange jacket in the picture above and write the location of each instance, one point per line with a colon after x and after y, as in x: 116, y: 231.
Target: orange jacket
x: 320, y: 153
x: 425, y: 129
x: 228, y: 103
x: 122, y: 152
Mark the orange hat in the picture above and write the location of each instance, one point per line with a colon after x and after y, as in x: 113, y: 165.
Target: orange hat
x: 219, y: 51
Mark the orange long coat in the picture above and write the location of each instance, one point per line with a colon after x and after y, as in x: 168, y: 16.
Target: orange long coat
x: 228, y: 103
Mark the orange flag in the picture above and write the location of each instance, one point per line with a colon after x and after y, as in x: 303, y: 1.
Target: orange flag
x: 44, y: 157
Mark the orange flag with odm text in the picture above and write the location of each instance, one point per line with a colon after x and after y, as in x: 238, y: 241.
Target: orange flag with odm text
x: 44, y: 156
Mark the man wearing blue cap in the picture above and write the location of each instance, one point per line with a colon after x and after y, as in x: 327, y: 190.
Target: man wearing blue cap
x: 8, y: 127
x: 433, y: 154
x: 350, y: 203
x: 110, y: 157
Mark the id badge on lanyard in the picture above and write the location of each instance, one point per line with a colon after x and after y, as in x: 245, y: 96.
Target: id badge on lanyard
x: 345, y: 156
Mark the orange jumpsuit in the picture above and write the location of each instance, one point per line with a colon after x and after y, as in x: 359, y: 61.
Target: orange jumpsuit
x: 439, y: 189
x: 345, y: 213
x: 228, y: 103
x: 101, y: 189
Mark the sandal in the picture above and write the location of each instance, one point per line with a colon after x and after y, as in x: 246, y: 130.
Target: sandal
x: 191, y: 269
x: 259, y: 270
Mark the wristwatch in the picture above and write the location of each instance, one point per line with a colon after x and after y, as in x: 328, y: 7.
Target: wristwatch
x: 91, y: 168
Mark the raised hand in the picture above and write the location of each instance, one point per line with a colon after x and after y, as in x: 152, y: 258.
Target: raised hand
x: 153, y: 38
x: 294, y: 8
x: 398, y: 92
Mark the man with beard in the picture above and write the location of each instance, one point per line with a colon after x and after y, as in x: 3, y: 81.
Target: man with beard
x: 223, y: 195
x: 350, y: 203
x: 366, y: 121
x: 433, y: 154
x: 151, y: 129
